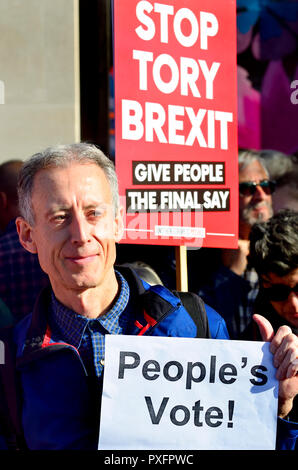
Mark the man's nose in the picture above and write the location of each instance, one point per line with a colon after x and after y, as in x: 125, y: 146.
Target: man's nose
x: 79, y: 229
x: 259, y: 193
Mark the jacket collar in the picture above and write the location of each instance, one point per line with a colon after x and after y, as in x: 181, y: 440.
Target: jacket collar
x: 148, y: 301
x: 39, y: 321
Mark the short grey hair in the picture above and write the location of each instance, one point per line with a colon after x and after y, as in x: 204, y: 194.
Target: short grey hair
x: 62, y: 156
x: 248, y: 156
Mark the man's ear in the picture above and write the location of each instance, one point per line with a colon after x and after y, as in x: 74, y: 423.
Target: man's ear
x: 119, y: 225
x: 24, y: 230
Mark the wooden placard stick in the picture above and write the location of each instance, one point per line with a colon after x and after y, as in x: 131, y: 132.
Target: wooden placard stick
x: 181, y: 268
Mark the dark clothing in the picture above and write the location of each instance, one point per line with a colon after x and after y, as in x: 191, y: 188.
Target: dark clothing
x: 264, y: 308
x: 21, y: 277
x: 252, y: 333
x: 228, y: 293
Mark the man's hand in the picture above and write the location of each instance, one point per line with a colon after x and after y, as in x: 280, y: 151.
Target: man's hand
x: 284, y: 347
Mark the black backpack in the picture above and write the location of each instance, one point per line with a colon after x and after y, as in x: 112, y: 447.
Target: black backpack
x: 195, y: 306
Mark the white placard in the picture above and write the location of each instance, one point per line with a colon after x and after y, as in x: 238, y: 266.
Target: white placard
x: 184, y: 393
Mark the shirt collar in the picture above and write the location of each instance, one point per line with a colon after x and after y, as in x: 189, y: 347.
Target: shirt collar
x: 73, y: 326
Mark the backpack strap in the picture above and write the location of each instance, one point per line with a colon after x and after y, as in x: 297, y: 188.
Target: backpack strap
x: 195, y: 306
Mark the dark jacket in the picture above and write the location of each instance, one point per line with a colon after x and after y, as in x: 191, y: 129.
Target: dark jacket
x: 228, y: 294
x: 252, y: 333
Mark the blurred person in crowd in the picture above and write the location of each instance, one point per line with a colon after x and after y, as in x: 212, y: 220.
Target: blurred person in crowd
x: 232, y: 285
x: 161, y: 258
x: 284, y: 170
x: 6, y: 317
x: 71, y: 218
x: 21, y: 277
x: 274, y: 255
x: 9, y: 209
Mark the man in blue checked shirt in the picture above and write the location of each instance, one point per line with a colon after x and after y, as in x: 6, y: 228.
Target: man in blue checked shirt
x: 70, y: 217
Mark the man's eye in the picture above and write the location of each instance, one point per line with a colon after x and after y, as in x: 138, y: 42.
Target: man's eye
x: 96, y: 213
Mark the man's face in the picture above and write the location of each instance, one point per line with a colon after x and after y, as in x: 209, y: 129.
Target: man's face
x: 288, y: 307
x: 75, y: 226
x: 258, y: 206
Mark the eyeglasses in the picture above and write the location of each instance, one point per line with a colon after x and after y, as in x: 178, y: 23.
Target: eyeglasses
x: 278, y: 292
x: 248, y: 188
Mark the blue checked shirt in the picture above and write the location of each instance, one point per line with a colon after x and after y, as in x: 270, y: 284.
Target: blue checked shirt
x: 88, y: 335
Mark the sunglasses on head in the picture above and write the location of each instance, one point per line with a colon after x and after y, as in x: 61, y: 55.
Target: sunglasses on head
x: 279, y: 292
x: 248, y: 188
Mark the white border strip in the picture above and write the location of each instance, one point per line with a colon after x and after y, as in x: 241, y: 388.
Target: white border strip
x: 137, y: 230
x: 208, y: 233
x: 221, y: 234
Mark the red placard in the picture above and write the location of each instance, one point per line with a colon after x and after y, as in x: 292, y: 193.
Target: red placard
x: 176, y: 121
